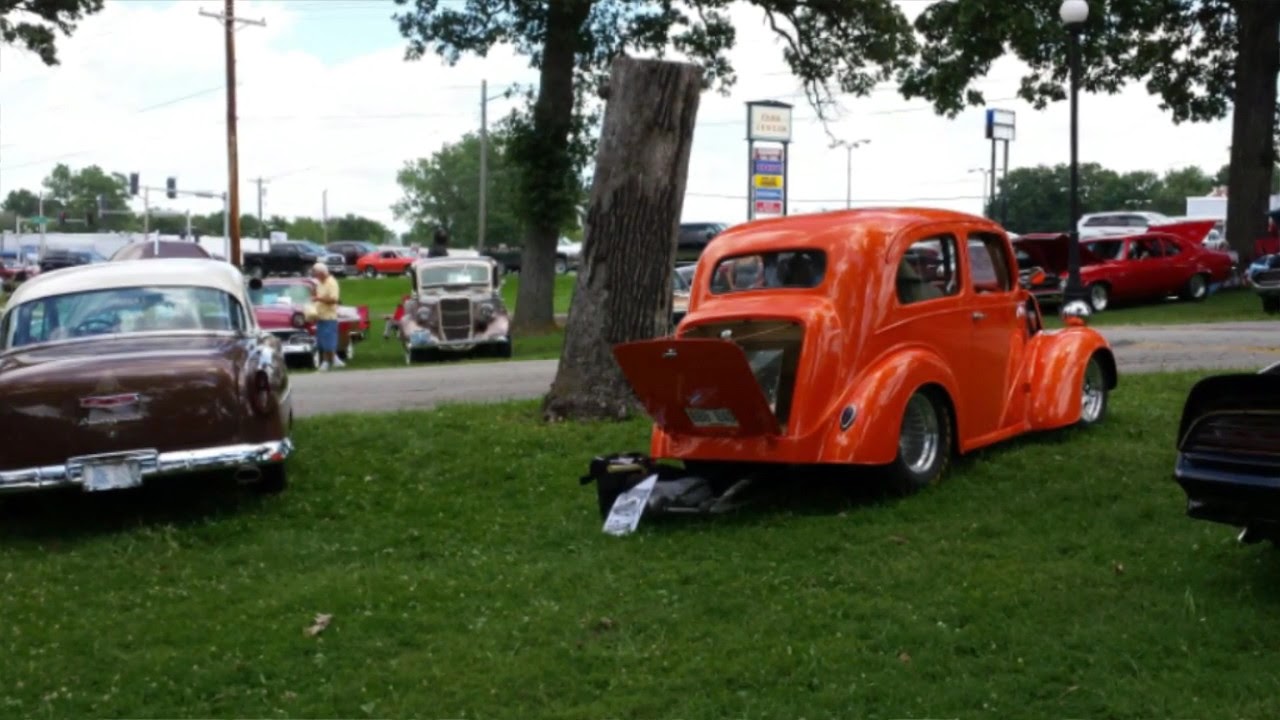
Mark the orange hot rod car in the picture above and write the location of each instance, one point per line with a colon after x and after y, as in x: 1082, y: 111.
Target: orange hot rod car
x: 873, y: 337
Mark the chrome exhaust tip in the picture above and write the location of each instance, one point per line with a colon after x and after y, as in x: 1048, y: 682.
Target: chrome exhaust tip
x: 1250, y: 536
x: 248, y: 474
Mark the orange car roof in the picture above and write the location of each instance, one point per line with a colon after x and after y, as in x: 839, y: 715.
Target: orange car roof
x: 836, y: 233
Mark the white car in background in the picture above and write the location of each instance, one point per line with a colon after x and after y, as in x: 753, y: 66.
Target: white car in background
x: 568, y: 255
x: 1128, y: 222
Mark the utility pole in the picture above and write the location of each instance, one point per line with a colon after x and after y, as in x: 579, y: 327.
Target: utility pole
x: 324, y: 213
x: 259, y: 182
x: 231, y: 23
x: 484, y: 162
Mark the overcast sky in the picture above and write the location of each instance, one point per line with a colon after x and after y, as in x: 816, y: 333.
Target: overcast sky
x: 327, y: 101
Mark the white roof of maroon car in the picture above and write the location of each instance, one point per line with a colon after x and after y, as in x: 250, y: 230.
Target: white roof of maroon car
x: 181, y: 272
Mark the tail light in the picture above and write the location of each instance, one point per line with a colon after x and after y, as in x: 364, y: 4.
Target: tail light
x: 1253, y: 434
x: 260, y: 392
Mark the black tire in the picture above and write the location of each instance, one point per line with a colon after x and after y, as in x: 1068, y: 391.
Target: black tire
x: 562, y: 265
x: 1197, y: 288
x: 1093, y: 394
x: 921, y: 461
x: 503, y: 351
x: 274, y: 479
x: 370, y: 272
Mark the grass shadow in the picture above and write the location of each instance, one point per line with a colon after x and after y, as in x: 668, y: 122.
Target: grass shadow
x: 65, y: 516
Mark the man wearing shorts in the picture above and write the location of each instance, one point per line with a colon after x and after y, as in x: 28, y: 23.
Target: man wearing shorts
x: 326, y: 299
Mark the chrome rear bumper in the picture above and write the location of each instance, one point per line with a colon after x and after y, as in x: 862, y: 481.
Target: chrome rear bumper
x: 153, y: 464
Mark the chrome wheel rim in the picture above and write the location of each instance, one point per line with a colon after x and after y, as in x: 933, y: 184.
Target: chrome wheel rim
x: 919, y: 439
x: 1197, y: 286
x: 1092, y: 393
x: 1098, y: 297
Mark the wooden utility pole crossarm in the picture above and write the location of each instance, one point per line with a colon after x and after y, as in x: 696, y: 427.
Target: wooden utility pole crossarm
x: 230, y: 24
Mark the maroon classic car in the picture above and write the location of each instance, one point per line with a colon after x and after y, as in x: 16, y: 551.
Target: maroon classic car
x: 116, y: 373
x: 1133, y: 268
x: 283, y: 307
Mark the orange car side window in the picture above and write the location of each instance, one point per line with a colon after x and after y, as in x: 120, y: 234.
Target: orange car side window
x: 928, y: 270
x: 989, y: 264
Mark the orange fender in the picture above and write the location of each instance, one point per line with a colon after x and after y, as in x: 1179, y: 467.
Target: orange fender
x: 879, y: 398
x: 1058, y: 374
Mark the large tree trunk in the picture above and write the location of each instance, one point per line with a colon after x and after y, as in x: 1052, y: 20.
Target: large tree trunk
x: 1253, y: 123
x: 637, y: 194
x: 547, y: 167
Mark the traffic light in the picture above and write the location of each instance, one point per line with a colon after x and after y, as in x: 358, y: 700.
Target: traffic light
x: 62, y: 217
x: 133, y: 183
x: 89, y: 218
x: 171, y: 188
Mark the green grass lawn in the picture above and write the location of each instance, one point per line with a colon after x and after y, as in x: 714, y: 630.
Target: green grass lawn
x: 383, y: 294
x: 1223, y: 306
x: 466, y: 575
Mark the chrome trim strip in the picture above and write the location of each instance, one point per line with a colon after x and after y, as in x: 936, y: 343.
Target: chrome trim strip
x: 154, y: 464
x: 446, y: 344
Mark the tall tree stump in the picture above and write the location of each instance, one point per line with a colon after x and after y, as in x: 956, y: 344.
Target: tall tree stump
x: 637, y: 194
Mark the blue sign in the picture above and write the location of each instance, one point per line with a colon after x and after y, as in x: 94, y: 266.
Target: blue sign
x: 766, y: 167
x: 768, y: 193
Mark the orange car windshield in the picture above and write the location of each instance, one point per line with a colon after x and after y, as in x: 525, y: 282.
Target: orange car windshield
x: 769, y: 270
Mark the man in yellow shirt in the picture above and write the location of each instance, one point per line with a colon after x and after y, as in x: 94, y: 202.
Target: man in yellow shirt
x: 326, y: 295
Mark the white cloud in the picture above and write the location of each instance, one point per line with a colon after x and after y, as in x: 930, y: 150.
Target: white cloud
x: 346, y: 126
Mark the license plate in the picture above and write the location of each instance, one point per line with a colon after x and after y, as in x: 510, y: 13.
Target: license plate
x: 112, y: 475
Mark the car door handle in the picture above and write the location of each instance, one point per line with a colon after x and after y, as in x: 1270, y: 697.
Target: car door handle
x: 978, y: 315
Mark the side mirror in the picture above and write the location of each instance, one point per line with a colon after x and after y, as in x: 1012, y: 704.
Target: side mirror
x: 711, y: 234
x: 1075, y: 313
x: 255, y: 283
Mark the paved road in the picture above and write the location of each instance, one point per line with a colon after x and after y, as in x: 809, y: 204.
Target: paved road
x: 1242, y: 345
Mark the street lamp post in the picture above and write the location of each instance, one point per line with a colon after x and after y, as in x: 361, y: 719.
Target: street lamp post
x: 1073, y: 14
x: 849, y: 147
x: 984, y: 187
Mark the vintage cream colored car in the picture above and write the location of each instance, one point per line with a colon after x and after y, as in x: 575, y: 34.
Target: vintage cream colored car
x: 456, y: 307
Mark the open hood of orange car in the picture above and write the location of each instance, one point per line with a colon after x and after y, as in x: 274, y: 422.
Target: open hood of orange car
x: 697, y: 387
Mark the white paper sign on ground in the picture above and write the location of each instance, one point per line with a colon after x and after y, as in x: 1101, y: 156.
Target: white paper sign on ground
x: 624, y: 516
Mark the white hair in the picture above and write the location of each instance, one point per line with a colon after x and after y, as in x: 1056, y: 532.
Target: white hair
x: 320, y: 268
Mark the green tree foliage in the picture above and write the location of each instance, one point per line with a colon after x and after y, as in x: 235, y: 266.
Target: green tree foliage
x: 846, y: 46
x: 1038, y: 201
x: 444, y: 191
x: 77, y: 192
x: 35, y: 24
x: 1202, y: 58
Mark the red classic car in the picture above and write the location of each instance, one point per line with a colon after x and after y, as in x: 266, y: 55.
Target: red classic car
x: 281, y: 307
x: 1134, y: 268
x: 386, y: 262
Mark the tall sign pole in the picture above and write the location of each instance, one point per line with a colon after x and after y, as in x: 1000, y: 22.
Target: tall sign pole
x: 767, y: 121
x: 1000, y: 129
x: 231, y: 23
